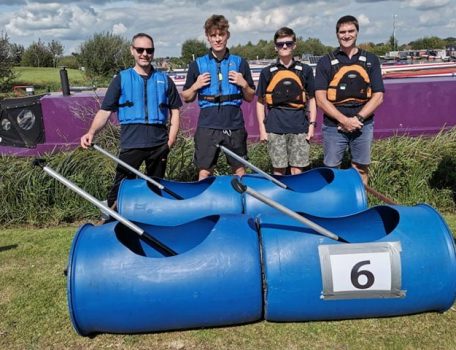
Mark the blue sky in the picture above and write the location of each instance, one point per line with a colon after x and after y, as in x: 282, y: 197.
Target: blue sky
x: 171, y: 22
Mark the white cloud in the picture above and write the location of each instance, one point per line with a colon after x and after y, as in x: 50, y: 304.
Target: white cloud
x: 119, y: 29
x: 171, y: 22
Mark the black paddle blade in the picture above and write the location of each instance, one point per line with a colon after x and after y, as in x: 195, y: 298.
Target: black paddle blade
x: 39, y: 162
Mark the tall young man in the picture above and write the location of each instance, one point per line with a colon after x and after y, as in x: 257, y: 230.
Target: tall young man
x: 349, y: 88
x: 143, y: 99
x: 286, y: 92
x: 221, y: 81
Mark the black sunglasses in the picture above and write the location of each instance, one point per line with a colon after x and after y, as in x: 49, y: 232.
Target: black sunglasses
x: 140, y: 50
x: 280, y: 44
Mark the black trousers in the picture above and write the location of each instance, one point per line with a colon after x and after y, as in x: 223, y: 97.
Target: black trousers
x: 154, y: 157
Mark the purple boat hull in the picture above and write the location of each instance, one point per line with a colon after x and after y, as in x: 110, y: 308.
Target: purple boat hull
x: 412, y: 106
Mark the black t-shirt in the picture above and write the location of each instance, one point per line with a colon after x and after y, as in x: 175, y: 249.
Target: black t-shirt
x: 224, y: 117
x: 324, y: 76
x: 286, y: 120
x: 140, y: 135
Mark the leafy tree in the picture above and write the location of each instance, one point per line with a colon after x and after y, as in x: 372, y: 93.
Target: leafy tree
x: 315, y: 47
x: 37, y: 55
x: 432, y: 42
x: 6, y: 63
x: 393, y: 43
x: 16, y: 52
x: 104, y: 54
x: 69, y: 62
x: 56, y: 49
x: 193, y: 48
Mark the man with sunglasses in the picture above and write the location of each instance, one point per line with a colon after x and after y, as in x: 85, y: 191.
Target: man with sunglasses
x: 349, y: 88
x: 147, y: 105
x: 221, y: 81
x: 286, y: 108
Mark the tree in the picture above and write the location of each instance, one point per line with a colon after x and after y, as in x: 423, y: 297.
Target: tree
x: 56, y: 49
x: 37, y: 55
x: 16, y: 52
x: 6, y: 63
x: 193, y: 48
x: 432, y: 42
x: 104, y: 54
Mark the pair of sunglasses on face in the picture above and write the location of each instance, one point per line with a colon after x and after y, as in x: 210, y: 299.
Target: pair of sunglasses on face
x: 140, y: 50
x: 280, y: 44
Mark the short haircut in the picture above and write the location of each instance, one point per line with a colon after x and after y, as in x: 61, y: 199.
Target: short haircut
x: 141, y: 35
x: 218, y: 22
x: 283, y: 32
x: 347, y: 19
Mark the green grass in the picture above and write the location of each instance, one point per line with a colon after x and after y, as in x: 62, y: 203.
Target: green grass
x: 34, y: 313
x: 46, y: 78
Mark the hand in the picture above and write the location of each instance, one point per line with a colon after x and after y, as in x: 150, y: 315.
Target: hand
x: 350, y: 125
x: 263, y: 136
x: 237, y: 79
x: 86, y: 140
x: 310, y: 132
x: 171, y: 142
x: 202, y: 80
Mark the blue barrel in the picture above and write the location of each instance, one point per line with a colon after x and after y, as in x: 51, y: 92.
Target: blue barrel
x: 324, y: 192
x: 117, y: 283
x: 140, y: 201
x: 400, y: 260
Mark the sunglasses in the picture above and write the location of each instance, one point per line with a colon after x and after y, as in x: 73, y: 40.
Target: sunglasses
x: 140, y: 50
x: 280, y: 44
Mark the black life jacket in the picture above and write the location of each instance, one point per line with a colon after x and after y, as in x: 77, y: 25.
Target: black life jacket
x: 350, y: 84
x: 285, y: 89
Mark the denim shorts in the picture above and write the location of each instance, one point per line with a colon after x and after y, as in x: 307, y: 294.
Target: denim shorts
x: 288, y: 149
x: 336, y: 142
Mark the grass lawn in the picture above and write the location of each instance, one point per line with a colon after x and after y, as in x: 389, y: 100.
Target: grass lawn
x: 34, y: 314
x: 45, y: 75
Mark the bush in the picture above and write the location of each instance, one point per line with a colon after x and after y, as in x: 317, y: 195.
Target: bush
x: 104, y: 55
x: 7, y: 75
x: 409, y: 170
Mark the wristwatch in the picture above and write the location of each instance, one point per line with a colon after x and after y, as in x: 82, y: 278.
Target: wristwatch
x: 360, y: 118
x: 313, y: 123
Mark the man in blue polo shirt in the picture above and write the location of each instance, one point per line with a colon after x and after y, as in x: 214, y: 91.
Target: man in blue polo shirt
x: 349, y: 88
x: 143, y: 98
x: 221, y: 81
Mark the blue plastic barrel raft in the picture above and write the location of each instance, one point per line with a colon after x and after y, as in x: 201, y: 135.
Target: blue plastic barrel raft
x: 323, y: 192
x: 400, y: 260
x: 117, y: 283
x: 142, y: 202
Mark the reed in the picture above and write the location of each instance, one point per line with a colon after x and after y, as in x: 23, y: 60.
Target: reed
x: 408, y: 170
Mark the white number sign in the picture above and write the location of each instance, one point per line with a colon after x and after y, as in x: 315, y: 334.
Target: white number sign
x: 366, y: 270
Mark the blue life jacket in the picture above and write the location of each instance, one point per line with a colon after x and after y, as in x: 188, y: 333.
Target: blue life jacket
x: 220, y: 91
x: 138, y: 93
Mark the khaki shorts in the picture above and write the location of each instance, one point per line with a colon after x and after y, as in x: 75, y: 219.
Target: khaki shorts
x: 288, y: 150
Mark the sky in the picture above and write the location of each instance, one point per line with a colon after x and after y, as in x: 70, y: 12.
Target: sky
x: 172, y: 22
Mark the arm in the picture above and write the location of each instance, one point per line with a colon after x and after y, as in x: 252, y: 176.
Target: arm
x: 100, y: 120
x: 369, y: 108
x: 173, y: 126
x: 260, y: 112
x: 312, y: 118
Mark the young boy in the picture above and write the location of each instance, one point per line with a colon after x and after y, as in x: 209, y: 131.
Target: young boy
x: 221, y: 81
x: 285, y: 96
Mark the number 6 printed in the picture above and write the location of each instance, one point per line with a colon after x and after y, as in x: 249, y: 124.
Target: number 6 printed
x: 367, y: 270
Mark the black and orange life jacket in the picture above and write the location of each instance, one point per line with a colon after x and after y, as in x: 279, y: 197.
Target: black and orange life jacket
x: 350, y: 83
x: 285, y: 89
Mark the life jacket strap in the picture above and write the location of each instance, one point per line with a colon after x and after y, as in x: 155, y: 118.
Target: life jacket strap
x: 220, y: 98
